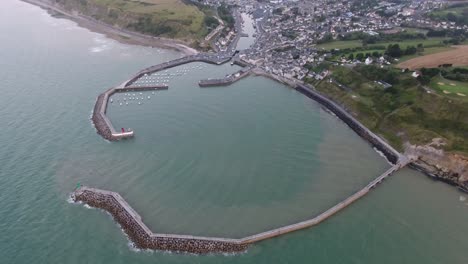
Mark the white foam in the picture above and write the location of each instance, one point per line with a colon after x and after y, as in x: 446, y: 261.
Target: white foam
x: 70, y: 200
x: 462, y: 198
x: 87, y: 206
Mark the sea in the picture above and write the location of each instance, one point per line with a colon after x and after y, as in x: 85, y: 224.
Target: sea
x: 226, y: 161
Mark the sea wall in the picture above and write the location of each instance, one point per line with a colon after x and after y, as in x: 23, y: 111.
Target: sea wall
x: 391, y: 154
x: 142, y: 237
x: 102, y: 123
x: 99, y: 121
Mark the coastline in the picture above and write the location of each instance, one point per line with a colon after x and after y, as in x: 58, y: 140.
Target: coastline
x: 135, y: 38
x: 121, y: 35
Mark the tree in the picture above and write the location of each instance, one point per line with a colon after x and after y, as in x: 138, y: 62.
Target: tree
x: 410, y: 50
x: 359, y: 56
x: 394, y: 51
x: 351, y: 57
x: 420, y: 47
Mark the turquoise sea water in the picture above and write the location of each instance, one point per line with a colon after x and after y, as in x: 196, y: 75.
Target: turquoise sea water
x: 214, y: 161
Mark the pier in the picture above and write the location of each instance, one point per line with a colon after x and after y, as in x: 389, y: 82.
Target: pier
x: 227, y: 80
x: 133, y: 225
x: 102, y: 123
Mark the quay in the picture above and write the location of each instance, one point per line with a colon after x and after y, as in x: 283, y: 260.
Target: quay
x: 227, y: 80
x: 133, y: 225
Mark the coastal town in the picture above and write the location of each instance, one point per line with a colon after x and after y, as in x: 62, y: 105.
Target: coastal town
x: 287, y: 32
x: 243, y: 131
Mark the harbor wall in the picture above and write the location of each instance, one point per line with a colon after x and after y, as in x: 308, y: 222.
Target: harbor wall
x: 102, y: 123
x: 390, y: 153
x: 140, y: 234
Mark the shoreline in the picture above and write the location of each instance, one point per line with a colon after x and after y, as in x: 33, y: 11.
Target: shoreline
x: 118, y: 34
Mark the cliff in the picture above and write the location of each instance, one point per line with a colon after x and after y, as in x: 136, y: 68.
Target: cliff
x: 451, y: 168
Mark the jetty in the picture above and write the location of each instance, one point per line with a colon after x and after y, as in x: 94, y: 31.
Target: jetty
x: 227, y: 80
x: 133, y: 225
x: 102, y: 123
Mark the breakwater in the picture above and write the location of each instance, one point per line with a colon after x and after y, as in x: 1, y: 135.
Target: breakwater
x: 390, y: 153
x: 144, y: 238
x: 102, y: 123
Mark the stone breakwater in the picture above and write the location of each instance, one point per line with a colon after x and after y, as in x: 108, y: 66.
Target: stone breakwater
x: 140, y: 234
x: 390, y: 153
x: 102, y: 123
x: 99, y: 122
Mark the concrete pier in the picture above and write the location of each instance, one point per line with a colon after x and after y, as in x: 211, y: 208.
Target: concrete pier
x: 228, y: 80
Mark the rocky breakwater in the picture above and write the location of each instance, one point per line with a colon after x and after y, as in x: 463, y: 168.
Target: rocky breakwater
x: 140, y: 234
x: 99, y: 120
x: 451, y: 168
x: 391, y: 154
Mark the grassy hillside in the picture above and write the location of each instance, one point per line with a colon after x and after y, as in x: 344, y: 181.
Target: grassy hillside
x: 404, y: 112
x: 165, y: 18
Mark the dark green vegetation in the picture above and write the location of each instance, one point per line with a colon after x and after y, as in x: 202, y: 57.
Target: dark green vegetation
x: 225, y: 13
x: 457, y: 13
x: 404, y: 112
x: 166, y: 18
x: 406, y: 44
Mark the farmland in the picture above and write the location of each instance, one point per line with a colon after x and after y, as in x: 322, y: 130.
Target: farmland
x: 350, y: 44
x: 456, y: 57
x: 404, y: 112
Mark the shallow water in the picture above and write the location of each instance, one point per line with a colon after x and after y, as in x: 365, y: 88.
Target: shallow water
x: 213, y: 161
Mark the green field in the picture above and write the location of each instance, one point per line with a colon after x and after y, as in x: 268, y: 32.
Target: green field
x: 340, y: 44
x: 449, y: 87
x: 167, y: 18
x: 458, y: 14
x: 405, y: 112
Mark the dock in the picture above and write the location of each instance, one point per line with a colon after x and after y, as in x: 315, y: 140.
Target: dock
x: 227, y: 80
